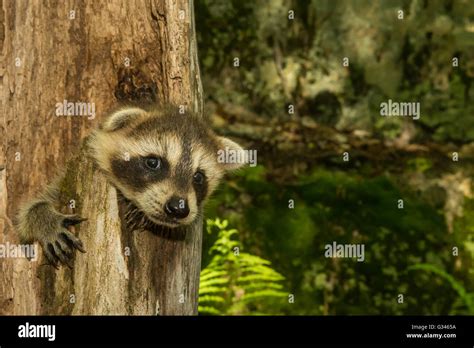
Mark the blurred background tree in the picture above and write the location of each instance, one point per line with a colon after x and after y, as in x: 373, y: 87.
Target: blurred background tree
x: 426, y: 57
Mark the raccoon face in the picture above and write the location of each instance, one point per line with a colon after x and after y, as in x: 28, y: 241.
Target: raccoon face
x: 164, y: 161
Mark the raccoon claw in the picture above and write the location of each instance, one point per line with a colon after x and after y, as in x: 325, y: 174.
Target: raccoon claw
x: 70, y: 241
x: 58, y: 247
x: 50, y: 256
x: 71, y: 220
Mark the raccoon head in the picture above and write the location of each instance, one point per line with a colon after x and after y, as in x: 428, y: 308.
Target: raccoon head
x: 163, y: 161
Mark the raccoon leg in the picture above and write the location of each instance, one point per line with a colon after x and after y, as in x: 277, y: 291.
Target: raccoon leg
x: 40, y: 221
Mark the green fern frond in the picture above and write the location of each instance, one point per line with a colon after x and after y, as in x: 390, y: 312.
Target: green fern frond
x: 261, y: 286
x: 208, y: 310
x: 207, y: 274
x: 467, y: 298
x: 260, y: 277
x: 214, y: 281
x: 255, y: 260
x: 263, y: 294
x: 212, y: 299
x: 258, y: 269
x: 204, y: 290
x: 232, y: 281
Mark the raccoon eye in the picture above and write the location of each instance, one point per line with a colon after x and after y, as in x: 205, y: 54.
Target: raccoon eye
x: 153, y: 162
x: 198, y: 178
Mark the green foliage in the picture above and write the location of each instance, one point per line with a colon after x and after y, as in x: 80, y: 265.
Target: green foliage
x: 347, y: 208
x: 420, y: 164
x: 466, y: 297
x: 464, y: 236
x: 299, y: 61
x: 235, y: 282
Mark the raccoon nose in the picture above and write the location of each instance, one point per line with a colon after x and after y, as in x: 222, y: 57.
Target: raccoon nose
x: 177, y: 208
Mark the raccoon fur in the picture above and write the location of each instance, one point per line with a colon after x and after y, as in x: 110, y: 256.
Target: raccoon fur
x: 163, y: 162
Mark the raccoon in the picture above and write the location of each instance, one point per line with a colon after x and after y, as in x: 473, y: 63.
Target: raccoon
x: 162, y: 162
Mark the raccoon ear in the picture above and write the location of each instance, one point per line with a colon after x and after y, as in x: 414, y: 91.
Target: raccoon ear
x: 121, y: 118
x: 230, y: 155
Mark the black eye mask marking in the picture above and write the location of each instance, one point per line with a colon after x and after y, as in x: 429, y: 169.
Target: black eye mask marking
x: 136, y: 174
x: 200, y: 185
x: 199, y: 178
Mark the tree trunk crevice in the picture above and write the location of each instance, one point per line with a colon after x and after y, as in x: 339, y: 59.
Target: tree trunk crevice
x: 86, y: 59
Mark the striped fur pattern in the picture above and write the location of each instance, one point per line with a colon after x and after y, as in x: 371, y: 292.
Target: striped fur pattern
x: 184, y: 146
x: 163, y: 163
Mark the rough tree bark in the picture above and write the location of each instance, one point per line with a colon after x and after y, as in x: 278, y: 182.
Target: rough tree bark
x: 93, y: 52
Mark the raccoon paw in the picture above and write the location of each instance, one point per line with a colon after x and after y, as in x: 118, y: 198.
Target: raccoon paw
x: 58, y: 245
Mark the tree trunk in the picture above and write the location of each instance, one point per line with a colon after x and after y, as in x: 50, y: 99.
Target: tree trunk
x: 98, y: 53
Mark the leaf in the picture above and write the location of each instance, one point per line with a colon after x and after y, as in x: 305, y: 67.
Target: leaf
x: 263, y: 294
x: 229, y: 283
x: 208, y: 310
x: 457, y: 286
